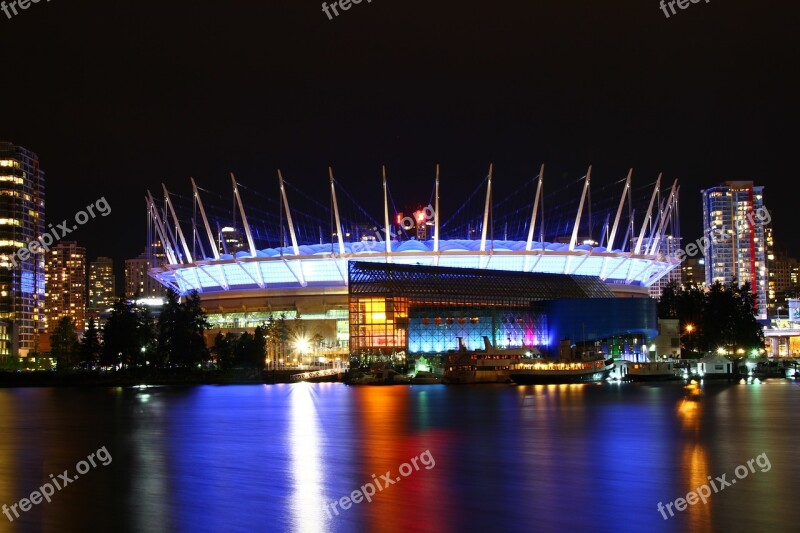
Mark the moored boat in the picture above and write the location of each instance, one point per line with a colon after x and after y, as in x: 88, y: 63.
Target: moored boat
x: 537, y: 371
x: 653, y: 371
x: 490, y: 365
x: 361, y: 378
x: 379, y: 376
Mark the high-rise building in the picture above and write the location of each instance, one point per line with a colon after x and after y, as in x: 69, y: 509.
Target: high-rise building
x: 693, y: 271
x: 669, y: 246
x: 22, y: 282
x: 5, y: 341
x: 784, y: 273
x: 734, y: 218
x: 102, y: 284
x: 138, y: 284
x: 65, y: 272
x: 231, y: 240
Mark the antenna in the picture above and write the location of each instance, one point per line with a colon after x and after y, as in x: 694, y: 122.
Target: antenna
x: 336, y: 213
x: 486, y: 209
x: 244, y: 217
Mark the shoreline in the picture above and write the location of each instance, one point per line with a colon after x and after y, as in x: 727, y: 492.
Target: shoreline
x: 131, y: 378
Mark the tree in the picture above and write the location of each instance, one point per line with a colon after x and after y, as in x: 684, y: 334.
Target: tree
x: 90, y: 345
x: 257, y: 352
x: 121, y: 336
x: 668, y: 303
x: 196, y: 324
x: 317, y: 341
x: 721, y: 316
x: 167, y: 327
x: 277, y: 333
x: 64, y: 344
x: 181, y: 332
x: 145, y: 337
x: 223, y: 349
x: 242, y: 349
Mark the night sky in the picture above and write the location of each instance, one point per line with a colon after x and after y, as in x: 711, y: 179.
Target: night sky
x: 116, y: 97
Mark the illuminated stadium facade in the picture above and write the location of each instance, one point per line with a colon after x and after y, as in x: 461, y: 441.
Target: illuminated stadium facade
x: 243, y: 282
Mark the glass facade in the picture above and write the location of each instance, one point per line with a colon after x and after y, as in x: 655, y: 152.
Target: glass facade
x: 435, y: 329
x: 22, y: 282
x: 409, y: 309
x: 733, y: 221
x: 331, y: 324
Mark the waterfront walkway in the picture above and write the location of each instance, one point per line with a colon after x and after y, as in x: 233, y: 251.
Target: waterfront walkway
x: 308, y: 376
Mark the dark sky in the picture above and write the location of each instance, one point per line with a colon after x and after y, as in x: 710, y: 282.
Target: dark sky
x: 117, y: 97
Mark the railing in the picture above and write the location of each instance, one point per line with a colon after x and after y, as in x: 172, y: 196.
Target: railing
x: 317, y: 374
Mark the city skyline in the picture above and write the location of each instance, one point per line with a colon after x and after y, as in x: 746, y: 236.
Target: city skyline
x: 783, y: 246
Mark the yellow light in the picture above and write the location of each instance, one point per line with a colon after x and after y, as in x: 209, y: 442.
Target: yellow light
x: 302, y: 345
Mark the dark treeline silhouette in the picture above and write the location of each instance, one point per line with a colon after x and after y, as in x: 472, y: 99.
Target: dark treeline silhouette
x: 131, y: 338
x: 718, y: 317
x: 248, y: 351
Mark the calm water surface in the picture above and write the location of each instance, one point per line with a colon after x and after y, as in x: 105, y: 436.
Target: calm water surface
x: 270, y: 458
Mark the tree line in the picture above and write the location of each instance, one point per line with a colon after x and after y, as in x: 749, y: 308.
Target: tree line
x: 133, y: 338
x: 721, y: 316
x: 249, y: 351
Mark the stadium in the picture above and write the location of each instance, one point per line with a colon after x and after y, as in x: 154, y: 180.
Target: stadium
x: 328, y: 267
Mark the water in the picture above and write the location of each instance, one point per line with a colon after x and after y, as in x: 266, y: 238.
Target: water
x: 270, y: 458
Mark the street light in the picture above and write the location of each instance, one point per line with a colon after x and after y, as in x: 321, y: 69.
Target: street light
x: 689, y: 330
x: 301, y: 345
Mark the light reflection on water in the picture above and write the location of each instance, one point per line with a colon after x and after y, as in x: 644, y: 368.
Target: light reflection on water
x: 271, y: 458
x: 305, y: 444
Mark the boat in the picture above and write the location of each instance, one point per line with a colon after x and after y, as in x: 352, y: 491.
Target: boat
x: 765, y: 369
x: 379, y: 376
x: 361, y: 378
x: 653, y: 371
x: 592, y: 367
x: 425, y: 378
x: 490, y: 365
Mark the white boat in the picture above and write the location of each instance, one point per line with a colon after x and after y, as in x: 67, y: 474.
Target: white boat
x: 538, y: 371
x: 490, y: 365
x: 653, y: 371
